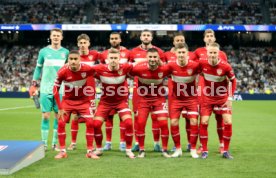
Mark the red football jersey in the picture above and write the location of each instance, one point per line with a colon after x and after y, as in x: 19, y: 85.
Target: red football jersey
x: 114, y: 87
x: 137, y: 54
x: 150, y: 82
x: 215, y: 83
x: 90, y: 60
x: 171, y: 56
x: 201, y: 54
x: 75, y: 83
x: 140, y: 53
x: 124, y: 55
x: 183, y: 80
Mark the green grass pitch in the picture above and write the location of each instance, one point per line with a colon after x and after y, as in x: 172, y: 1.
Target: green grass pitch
x: 253, y: 147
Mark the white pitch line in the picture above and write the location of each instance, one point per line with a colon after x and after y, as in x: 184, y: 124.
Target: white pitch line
x: 6, y: 109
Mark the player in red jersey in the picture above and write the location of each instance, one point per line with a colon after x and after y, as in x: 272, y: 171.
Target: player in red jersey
x: 115, y: 41
x: 170, y: 56
x: 88, y: 57
x: 219, y: 86
x: 74, y: 76
x: 178, y: 39
x: 183, y: 92
x: 201, y: 54
x: 114, y: 97
x: 152, y: 99
x: 139, y: 54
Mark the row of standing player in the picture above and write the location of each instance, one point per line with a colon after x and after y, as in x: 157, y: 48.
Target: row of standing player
x: 90, y: 57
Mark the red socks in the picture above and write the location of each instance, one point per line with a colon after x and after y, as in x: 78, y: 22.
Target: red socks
x: 220, y: 127
x: 98, y: 133
x: 176, y: 136
x: 188, y: 129
x: 128, y: 132
x: 163, y: 124
x: 155, y: 128
x: 89, y: 133
x: 74, y: 130
x: 203, y: 135
x: 227, y: 134
x: 193, y: 136
x: 61, y: 133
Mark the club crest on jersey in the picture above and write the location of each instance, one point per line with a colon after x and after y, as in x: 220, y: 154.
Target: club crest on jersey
x: 123, y: 54
x: 160, y: 74
x: 189, y: 71
x: 90, y: 58
x: 120, y: 72
x: 62, y: 55
x: 83, y: 74
x: 219, y: 71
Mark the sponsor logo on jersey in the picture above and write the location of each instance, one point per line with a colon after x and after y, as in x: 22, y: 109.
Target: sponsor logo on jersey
x: 120, y: 72
x: 189, y: 71
x: 204, y: 69
x: 90, y: 58
x: 83, y: 74
x: 68, y: 78
x: 160, y: 74
x: 144, y: 75
x: 3, y: 147
x: 123, y: 54
x: 219, y: 71
x: 63, y: 55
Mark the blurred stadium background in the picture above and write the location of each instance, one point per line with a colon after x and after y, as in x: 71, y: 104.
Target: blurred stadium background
x: 244, y: 28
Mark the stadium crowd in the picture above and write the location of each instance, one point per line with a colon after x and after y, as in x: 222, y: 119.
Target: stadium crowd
x: 41, y: 12
x: 255, y: 68
x: 136, y: 12
x: 121, y: 12
x: 212, y: 13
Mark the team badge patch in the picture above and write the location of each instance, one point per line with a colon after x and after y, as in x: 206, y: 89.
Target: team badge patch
x: 160, y: 74
x: 219, y: 71
x: 120, y: 72
x: 90, y: 58
x: 83, y: 75
x: 62, y: 55
x: 189, y: 71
